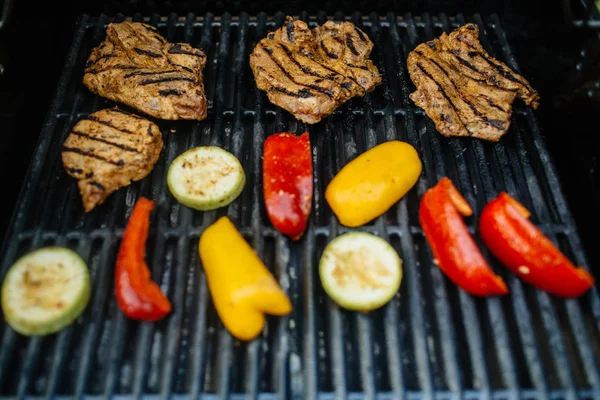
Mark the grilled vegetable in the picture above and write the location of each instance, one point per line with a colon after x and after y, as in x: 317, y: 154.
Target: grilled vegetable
x: 526, y: 251
x: 242, y: 288
x: 45, y: 290
x: 360, y: 271
x: 206, y: 178
x: 288, y: 182
x: 454, y: 250
x: 370, y: 184
x: 138, y: 297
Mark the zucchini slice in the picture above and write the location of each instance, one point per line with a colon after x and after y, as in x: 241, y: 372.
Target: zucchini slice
x: 45, y: 290
x: 206, y: 178
x: 360, y: 271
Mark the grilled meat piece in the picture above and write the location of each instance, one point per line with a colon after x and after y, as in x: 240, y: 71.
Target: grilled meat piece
x: 110, y: 149
x: 311, y: 72
x: 462, y: 89
x: 136, y: 66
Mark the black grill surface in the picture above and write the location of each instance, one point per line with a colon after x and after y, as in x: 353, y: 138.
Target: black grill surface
x: 432, y: 341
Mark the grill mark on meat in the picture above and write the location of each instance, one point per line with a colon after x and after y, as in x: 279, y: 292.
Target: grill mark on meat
x: 150, y: 131
x: 89, y: 70
x: 66, y: 149
x: 173, y: 79
x: 303, y: 67
x: 77, y: 171
x: 106, y: 123
x: 319, y: 89
x: 176, y: 49
x: 108, y: 142
x: 363, y: 67
x: 361, y: 36
x: 104, y: 57
x: 302, y: 93
x: 497, y: 67
x: 492, y: 104
x: 168, y: 92
x: 502, y: 71
x: 188, y: 69
x: 290, y: 31
x: 350, y: 45
x: 146, y: 73
x: 464, y: 62
x: 462, y: 97
x: 443, y: 92
x: 148, y: 53
x: 98, y: 185
x: 327, y: 53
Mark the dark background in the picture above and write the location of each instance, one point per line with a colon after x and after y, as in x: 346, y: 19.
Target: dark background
x: 34, y: 43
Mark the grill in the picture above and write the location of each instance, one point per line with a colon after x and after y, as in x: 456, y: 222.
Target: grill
x: 432, y: 341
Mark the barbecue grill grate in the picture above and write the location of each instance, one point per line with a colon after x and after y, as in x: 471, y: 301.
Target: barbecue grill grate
x: 431, y: 341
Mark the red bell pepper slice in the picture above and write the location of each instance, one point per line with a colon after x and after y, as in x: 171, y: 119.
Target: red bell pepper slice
x: 138, y: 296
x: 453, y: 248
x: 506, y: 230
x: 288, y: 182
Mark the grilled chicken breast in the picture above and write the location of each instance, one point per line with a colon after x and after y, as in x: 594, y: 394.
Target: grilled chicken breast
x: 311, y: 72
x: 462, y: 89
x: 110, y: 149
x: 138, y: 67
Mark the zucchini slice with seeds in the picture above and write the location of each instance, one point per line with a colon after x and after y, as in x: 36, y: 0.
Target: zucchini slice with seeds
x: 360, y: 271
x: 45, y: 290
x: 206, y: 178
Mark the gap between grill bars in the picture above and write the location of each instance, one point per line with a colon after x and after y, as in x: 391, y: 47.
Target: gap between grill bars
x: 431, y: 341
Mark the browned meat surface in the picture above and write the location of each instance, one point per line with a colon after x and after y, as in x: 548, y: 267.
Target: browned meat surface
x: 136, y: 66
x: 110, y: 149
x: 462, y: 89
x: 311, y: 72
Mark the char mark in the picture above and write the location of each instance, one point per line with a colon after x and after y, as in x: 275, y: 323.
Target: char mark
x: 76, y: 171
x: 506, y: 74
x: 302, y: 93
x: 147, y: 73
x: 98, y: 185
x: 363, y: 67
x: 464, y: 62
x: 176, y: 49
x: 106, y: 123
x: 188, y: 69
x: 290, y: 31
x: 494, y: 105
x: 108, y: 142
x: 460, y: 93
x: 440, y: 88
x: 327, y: 53
x: 319, y: 89
x: 303, y: 67
x: 160, y: 80
x: 150, y: 130
x: 148, y: 53
x: 67, y: 149
x: 168, y: 92
x: 89, y: 63
x: 350, y: 45
x: 360, y: 34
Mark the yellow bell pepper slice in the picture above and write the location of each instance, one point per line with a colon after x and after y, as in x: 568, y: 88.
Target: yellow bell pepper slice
x: 373, y: 182
x: 241, y: 286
